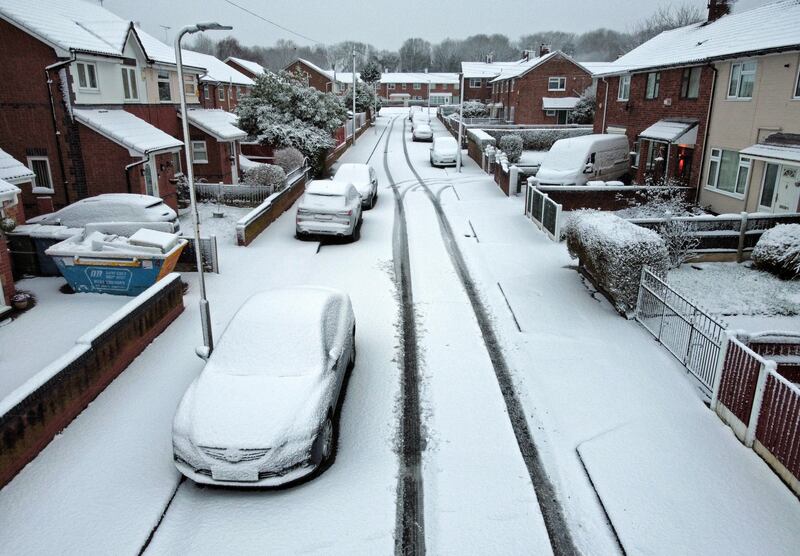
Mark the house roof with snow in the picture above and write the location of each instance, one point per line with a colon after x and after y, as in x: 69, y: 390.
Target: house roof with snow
x: 339, y: 76
x: 778, y: 147
x: 475, y: 70
x: 14, y: 171
x: 253, y: 67
x: 412, y: 77
x: 217, y: 71
x: 771, y: 28
x: 8, y: 192
x: 221, y: 125
x: 524, y: 67
x: 559, y: 103
x: 125, y: 129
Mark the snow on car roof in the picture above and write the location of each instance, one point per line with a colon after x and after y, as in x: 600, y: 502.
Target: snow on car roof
x: 127, y: 198
x: 773, y: 26
x: 350, y: 171
x: 276, y: 332
x: 328, y: 187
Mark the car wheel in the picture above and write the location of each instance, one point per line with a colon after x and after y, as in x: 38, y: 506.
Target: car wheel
x: 373, y: 199
x: 325, y: 443
x: 356, y: 235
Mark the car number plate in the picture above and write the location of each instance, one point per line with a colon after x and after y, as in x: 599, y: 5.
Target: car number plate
x: 238, y: 474
x: 324, y: 217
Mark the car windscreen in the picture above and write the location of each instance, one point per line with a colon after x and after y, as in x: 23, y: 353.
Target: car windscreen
x: 329, y: 202
x: 350, y: 175
x: 564, y: 157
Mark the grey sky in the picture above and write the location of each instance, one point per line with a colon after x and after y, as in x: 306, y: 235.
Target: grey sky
x: 386, y: 24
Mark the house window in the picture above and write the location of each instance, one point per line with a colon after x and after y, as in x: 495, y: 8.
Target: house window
x: 129, y: 86
x: 474, y: 83
x: 624, y: 92
x: 728, y: 172
x: 404, y: 86
x: 513, y: 82
x: 221, y: 92
x: 390, y: 86
x: 87, y: 76
x: 199, y: 152
x: 164, y: 90
x: 635, y: 155
x: 550, y: 113
x: 176, y: 163
x: 189, y: 86
x: 797, y: 85
x: 417, y: 86
x: 557, y: 84
x: 690, y: 84
x: 743, y: 78
x: 653, y: 82
x: 206, y: 92
x: 40, y: 166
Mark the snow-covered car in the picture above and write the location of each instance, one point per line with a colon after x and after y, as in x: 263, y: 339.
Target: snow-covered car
x: 413, y: 110
x: 110, y: 207
x: 422, y: 132
x: 264, y: 410
x: 444, y: 151
x: 330, y: 208
x: 579, y: 160
x: 419, y: 118
x: 363, y: 177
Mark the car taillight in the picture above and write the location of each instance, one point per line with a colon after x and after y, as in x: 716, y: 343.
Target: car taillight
x: 345, y: 212
x: 302, y: 211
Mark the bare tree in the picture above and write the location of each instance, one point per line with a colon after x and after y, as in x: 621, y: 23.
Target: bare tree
x: 415, y: 55
x: 666, y: 17
x: 202, y: 44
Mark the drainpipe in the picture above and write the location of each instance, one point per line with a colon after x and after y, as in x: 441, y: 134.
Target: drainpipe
x: 133, y: 165
x: 48, y: 81
x: 705, y: 133
x: 605, y: 105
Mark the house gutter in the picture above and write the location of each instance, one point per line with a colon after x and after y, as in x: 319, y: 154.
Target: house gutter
x: 54, y: 119
x: 705, y: 132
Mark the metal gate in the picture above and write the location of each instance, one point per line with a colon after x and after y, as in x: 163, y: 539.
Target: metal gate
x: 693, y: 336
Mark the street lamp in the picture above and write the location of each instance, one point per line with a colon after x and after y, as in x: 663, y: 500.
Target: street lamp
x: 354, y: 94
x: 460, y: 123
x: 205, y: 314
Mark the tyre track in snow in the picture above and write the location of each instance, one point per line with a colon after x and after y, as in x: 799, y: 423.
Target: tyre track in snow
x: 550, y: 507
x: 409, y: 526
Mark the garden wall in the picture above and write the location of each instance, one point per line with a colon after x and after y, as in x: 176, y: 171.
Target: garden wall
x: 604, y: 197
x: 257, y: 220
x: 32, y: 415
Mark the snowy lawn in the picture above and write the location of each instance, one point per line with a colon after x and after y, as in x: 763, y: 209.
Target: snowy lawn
x: 224, y: 228
x: 45, y: 332
x: 531, y: 158
x: 731, y: 291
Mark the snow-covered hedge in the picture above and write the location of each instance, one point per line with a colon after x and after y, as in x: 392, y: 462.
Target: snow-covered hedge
x: 289, y: 158
x: 512, y: 146
x: 778, y: 250
x: 266, y: 174
x: 539, y: 139
x: 475, y: 109
x: 614, y: 251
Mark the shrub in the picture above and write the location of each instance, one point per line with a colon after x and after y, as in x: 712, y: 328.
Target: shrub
x: 474, y: 109
x: 584, y: 111
x: 614, y: 251
x: 539, y: 139
x: 289, y: 158
x: 778, y: 251
x: 512, y: 146
x: 266, y: 174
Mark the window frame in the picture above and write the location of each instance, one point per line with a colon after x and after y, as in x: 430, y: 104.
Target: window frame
x: 390, y: 86
x: 624, y: 85
x: 195, y: 144
x: 36, y: 187
x: 221, y: 93
x: 742, y: 163
x: 737, y: 95
x: 656, y: 86
x: 190, y: 82
x: 162, y: 80
x: 206, y: 91
x: 86, y: 78
x: 796, y: 95
x: 559, y: 86
x: 686, y: 82
x: 129, y: 82
x: 550, y: 113
x: 417, y: 86
x: 475, y: 82
x: 637, y: 154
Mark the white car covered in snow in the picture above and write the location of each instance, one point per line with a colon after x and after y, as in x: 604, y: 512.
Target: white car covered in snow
x: 423, y: 132
x: 444, y: 151
x: 110, y: 207
x: 363, y: 177
x: 419, y: 118
x: 330, y: 208
x: 578, y: 160
x: 264, y: 409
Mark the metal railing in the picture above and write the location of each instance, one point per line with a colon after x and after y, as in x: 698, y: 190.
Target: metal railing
x: 692, y: 335
x: 543, y: 211
x: 239, y: 195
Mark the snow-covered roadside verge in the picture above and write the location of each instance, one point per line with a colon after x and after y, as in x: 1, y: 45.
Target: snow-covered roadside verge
x: 580, y: 381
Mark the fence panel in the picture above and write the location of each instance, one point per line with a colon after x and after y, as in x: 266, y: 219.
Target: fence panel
x: 739, y: 379
x: 545, y: 212
x: 693, y: 336
x: 240, y: 195
x: 778, y: 427
x: 208, y: 251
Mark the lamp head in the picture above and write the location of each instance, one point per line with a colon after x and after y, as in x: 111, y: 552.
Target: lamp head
x: 210, y: 26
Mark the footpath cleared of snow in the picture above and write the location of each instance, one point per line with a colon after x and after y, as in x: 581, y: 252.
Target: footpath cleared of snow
x: 478, y: 496
x: 102, y: 485
x: 597, y: 383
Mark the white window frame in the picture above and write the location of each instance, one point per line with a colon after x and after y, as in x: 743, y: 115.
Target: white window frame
x: 36, y: 187
x: 221, y: 92
x: 560, y: 83
x: 195, y: 150
x: 132, y: 94
x: 87, y: 87
x: 189, y: 85
x: 796, y: 95
x: 744, y: 164
x: 474, y: 83
x: 206, y: 91
x: 624, y: 89
x: 549, y: 113
x: 417, y: 86
x: 161, y: 79
x: 686, y: 77
x: 656, y: 85
x: 742, y: 72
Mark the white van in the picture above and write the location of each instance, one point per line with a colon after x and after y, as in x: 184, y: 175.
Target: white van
x: 577, y: 160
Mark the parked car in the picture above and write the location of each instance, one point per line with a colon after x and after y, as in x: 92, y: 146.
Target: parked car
x: 419, y: 118
x: 363, y: 177
x: 413, y: 110
x: 264, y: 409
x: 330, y: 208
x: 444, y: 151
x: 422, y: 132
x: 110, y: 207
x: 577, y: 160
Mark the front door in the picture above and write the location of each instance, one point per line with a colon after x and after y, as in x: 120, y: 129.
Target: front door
x: 150, y: 178
x: 561, y: 116
x: 788, y: 190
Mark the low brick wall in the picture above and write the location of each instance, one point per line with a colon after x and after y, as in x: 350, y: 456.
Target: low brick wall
x: 609, y: 198
x: 249, y: 227
x: 32, y: 415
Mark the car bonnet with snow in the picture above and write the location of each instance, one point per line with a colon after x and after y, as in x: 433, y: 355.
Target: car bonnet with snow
x: 445, y: 146
x: 358, y: 175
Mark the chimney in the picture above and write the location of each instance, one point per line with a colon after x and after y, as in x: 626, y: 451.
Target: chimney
x: 544, y: 49
x: 717, y: 9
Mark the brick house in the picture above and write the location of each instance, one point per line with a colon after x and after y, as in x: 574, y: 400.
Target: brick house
x: 713, y: 105
x: 14, y: 176
x: 477, y: 77
x: 245, y: 67
x: 442, y: 88
x: 543, y: 90
x: 322, y: 80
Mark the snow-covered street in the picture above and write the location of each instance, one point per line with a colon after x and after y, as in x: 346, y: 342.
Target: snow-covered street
x: 563, y: 395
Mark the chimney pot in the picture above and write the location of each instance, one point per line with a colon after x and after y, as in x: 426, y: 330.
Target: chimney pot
x: 718, y: 9
x: 544, y: 49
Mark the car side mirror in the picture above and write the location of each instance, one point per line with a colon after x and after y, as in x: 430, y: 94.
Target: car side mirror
x: 589, y: 168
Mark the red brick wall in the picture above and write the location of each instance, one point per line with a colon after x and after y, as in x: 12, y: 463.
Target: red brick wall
x: 638, y: 113
x: 241, y: 69
x: 319, y: 81
x: 26, y: 125
x: 481, y: 93
x: 218, y: 168
x: 384, y: 90
x: 212, y: 100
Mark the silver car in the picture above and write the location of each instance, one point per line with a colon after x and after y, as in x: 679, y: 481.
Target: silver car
x: 264, y: 409
x: 364, y: 178
x: 444, y: 151
x: 330, y: 208
x: 111, y: 207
